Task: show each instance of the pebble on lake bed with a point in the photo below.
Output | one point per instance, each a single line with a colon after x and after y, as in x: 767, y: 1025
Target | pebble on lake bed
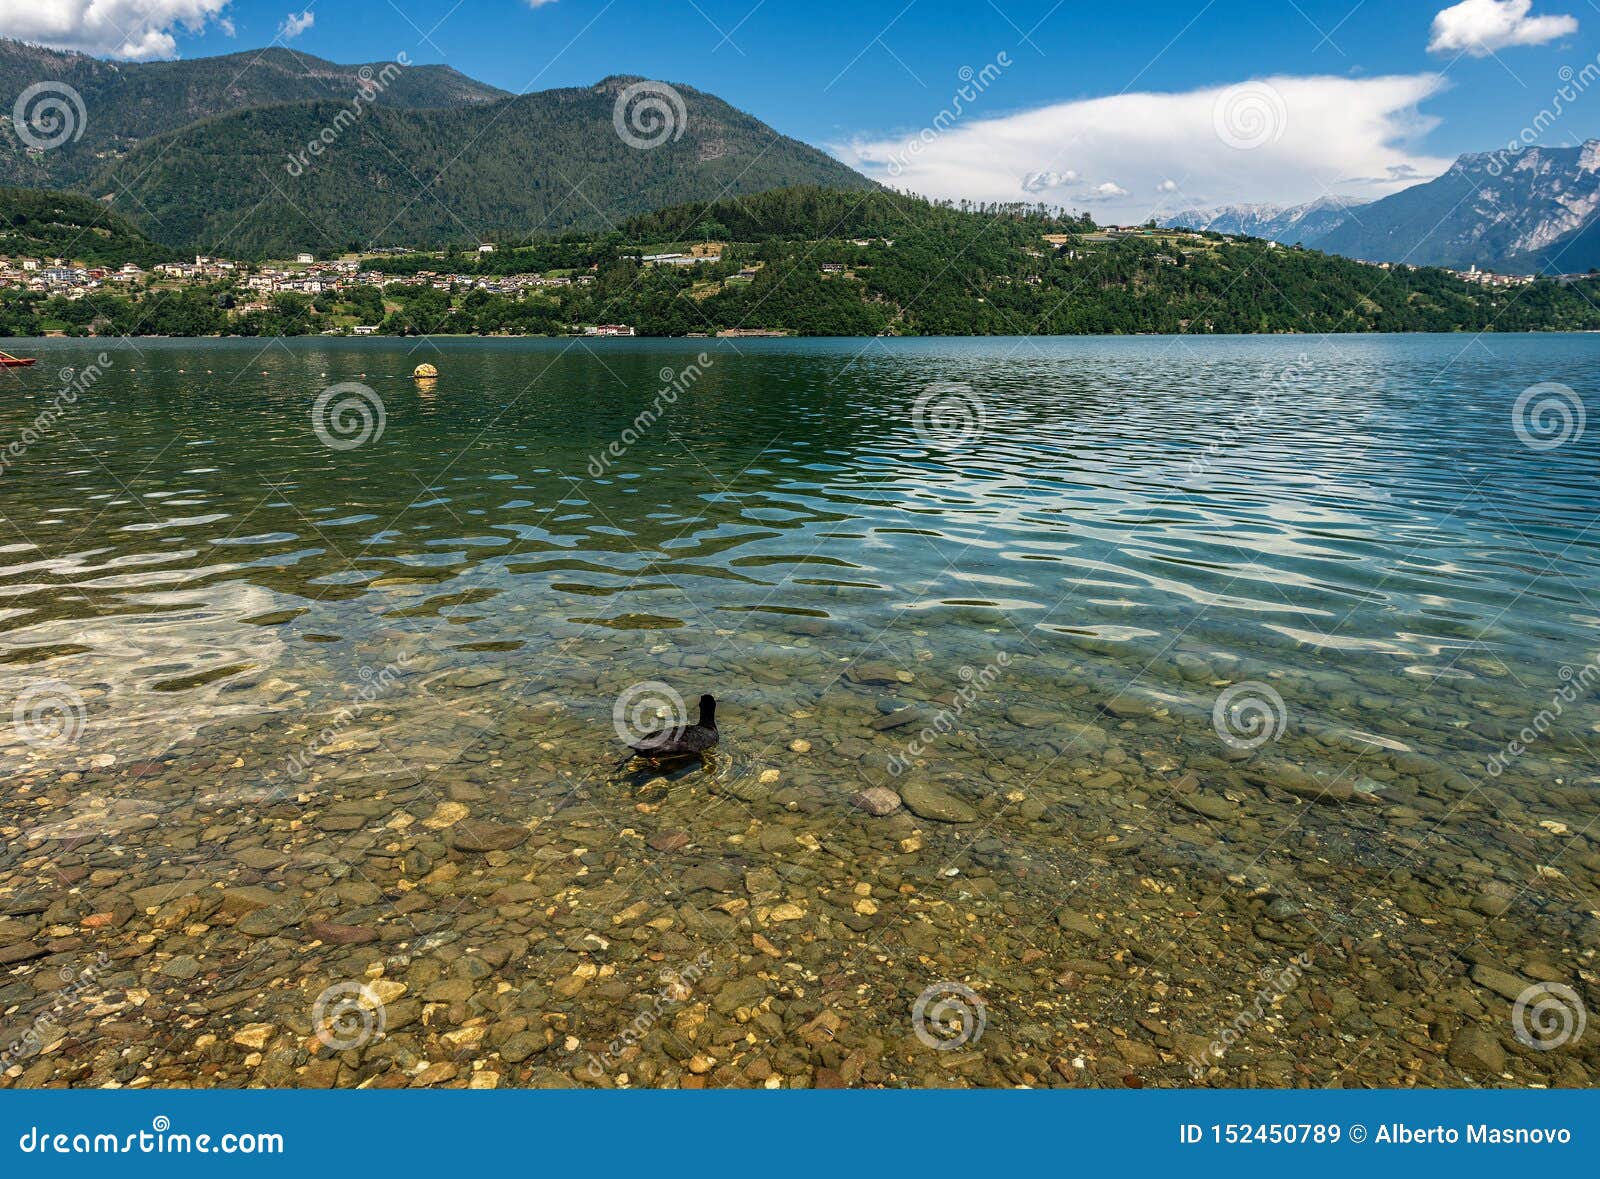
x: 876, y: 800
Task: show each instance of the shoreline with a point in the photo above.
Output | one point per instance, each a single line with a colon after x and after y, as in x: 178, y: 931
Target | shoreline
x: 701, y: 340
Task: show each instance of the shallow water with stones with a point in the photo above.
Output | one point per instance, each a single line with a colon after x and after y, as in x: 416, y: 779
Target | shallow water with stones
x: 290, y: 717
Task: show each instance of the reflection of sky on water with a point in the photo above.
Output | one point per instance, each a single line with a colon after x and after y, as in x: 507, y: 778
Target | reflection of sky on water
x: 1361, y: 500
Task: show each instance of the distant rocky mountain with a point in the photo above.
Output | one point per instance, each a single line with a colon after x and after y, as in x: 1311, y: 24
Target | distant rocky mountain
x: 1577, y: 253
x: 1288, y: 224
x: 1531, y: 211
x: 125, y: 103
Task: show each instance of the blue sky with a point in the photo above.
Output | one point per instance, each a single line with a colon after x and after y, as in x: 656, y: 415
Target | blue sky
x: 1116, y: 104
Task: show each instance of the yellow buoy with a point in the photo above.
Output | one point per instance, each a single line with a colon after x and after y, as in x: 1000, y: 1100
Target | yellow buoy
x: 424, y: 370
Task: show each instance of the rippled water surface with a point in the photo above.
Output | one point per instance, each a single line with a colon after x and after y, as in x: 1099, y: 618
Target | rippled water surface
x: 1241, y: 692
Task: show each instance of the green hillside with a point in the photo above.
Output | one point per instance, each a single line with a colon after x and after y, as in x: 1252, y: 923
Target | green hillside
x: 812, y: 261
x: 125, y: 103
x: 971, y: 271
x: 65, y: 225
x: 542, y: 162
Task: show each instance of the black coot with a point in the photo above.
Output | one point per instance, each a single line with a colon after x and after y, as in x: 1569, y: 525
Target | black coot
x: 684, y: 740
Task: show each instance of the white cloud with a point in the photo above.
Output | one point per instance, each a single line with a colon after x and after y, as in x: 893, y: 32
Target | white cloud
x: 539, y: 3
x: 1317, y: 135
x: 1479, y: 27
x: 135, y: 30
x: 296, y: 23
x: 1167, y: 186
x: 1043, y: 181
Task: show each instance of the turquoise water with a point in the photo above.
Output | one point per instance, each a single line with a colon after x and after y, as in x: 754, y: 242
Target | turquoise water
x: 1008, y: 579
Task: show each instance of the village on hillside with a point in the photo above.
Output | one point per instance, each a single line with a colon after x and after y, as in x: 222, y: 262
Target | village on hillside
x: 400, y: 291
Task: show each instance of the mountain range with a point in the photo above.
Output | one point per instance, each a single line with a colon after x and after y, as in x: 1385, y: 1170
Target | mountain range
x: 124, y: 104
x: 1521, y: 213
x: 1529, y: 212
x: 1288, y: 224
x: 268, y: 153
x: 271, y: 153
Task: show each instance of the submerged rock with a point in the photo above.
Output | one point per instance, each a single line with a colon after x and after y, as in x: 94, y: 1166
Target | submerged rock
x: 1476, y: 1051
x: 1318, y: 787
x: 341, y: 935
x: 876, y: 800
x: 476, y: 836
x: 928, y: 801
x: 1212, y: 806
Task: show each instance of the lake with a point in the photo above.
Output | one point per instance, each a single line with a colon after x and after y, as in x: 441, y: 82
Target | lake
x: 1235, y: 699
